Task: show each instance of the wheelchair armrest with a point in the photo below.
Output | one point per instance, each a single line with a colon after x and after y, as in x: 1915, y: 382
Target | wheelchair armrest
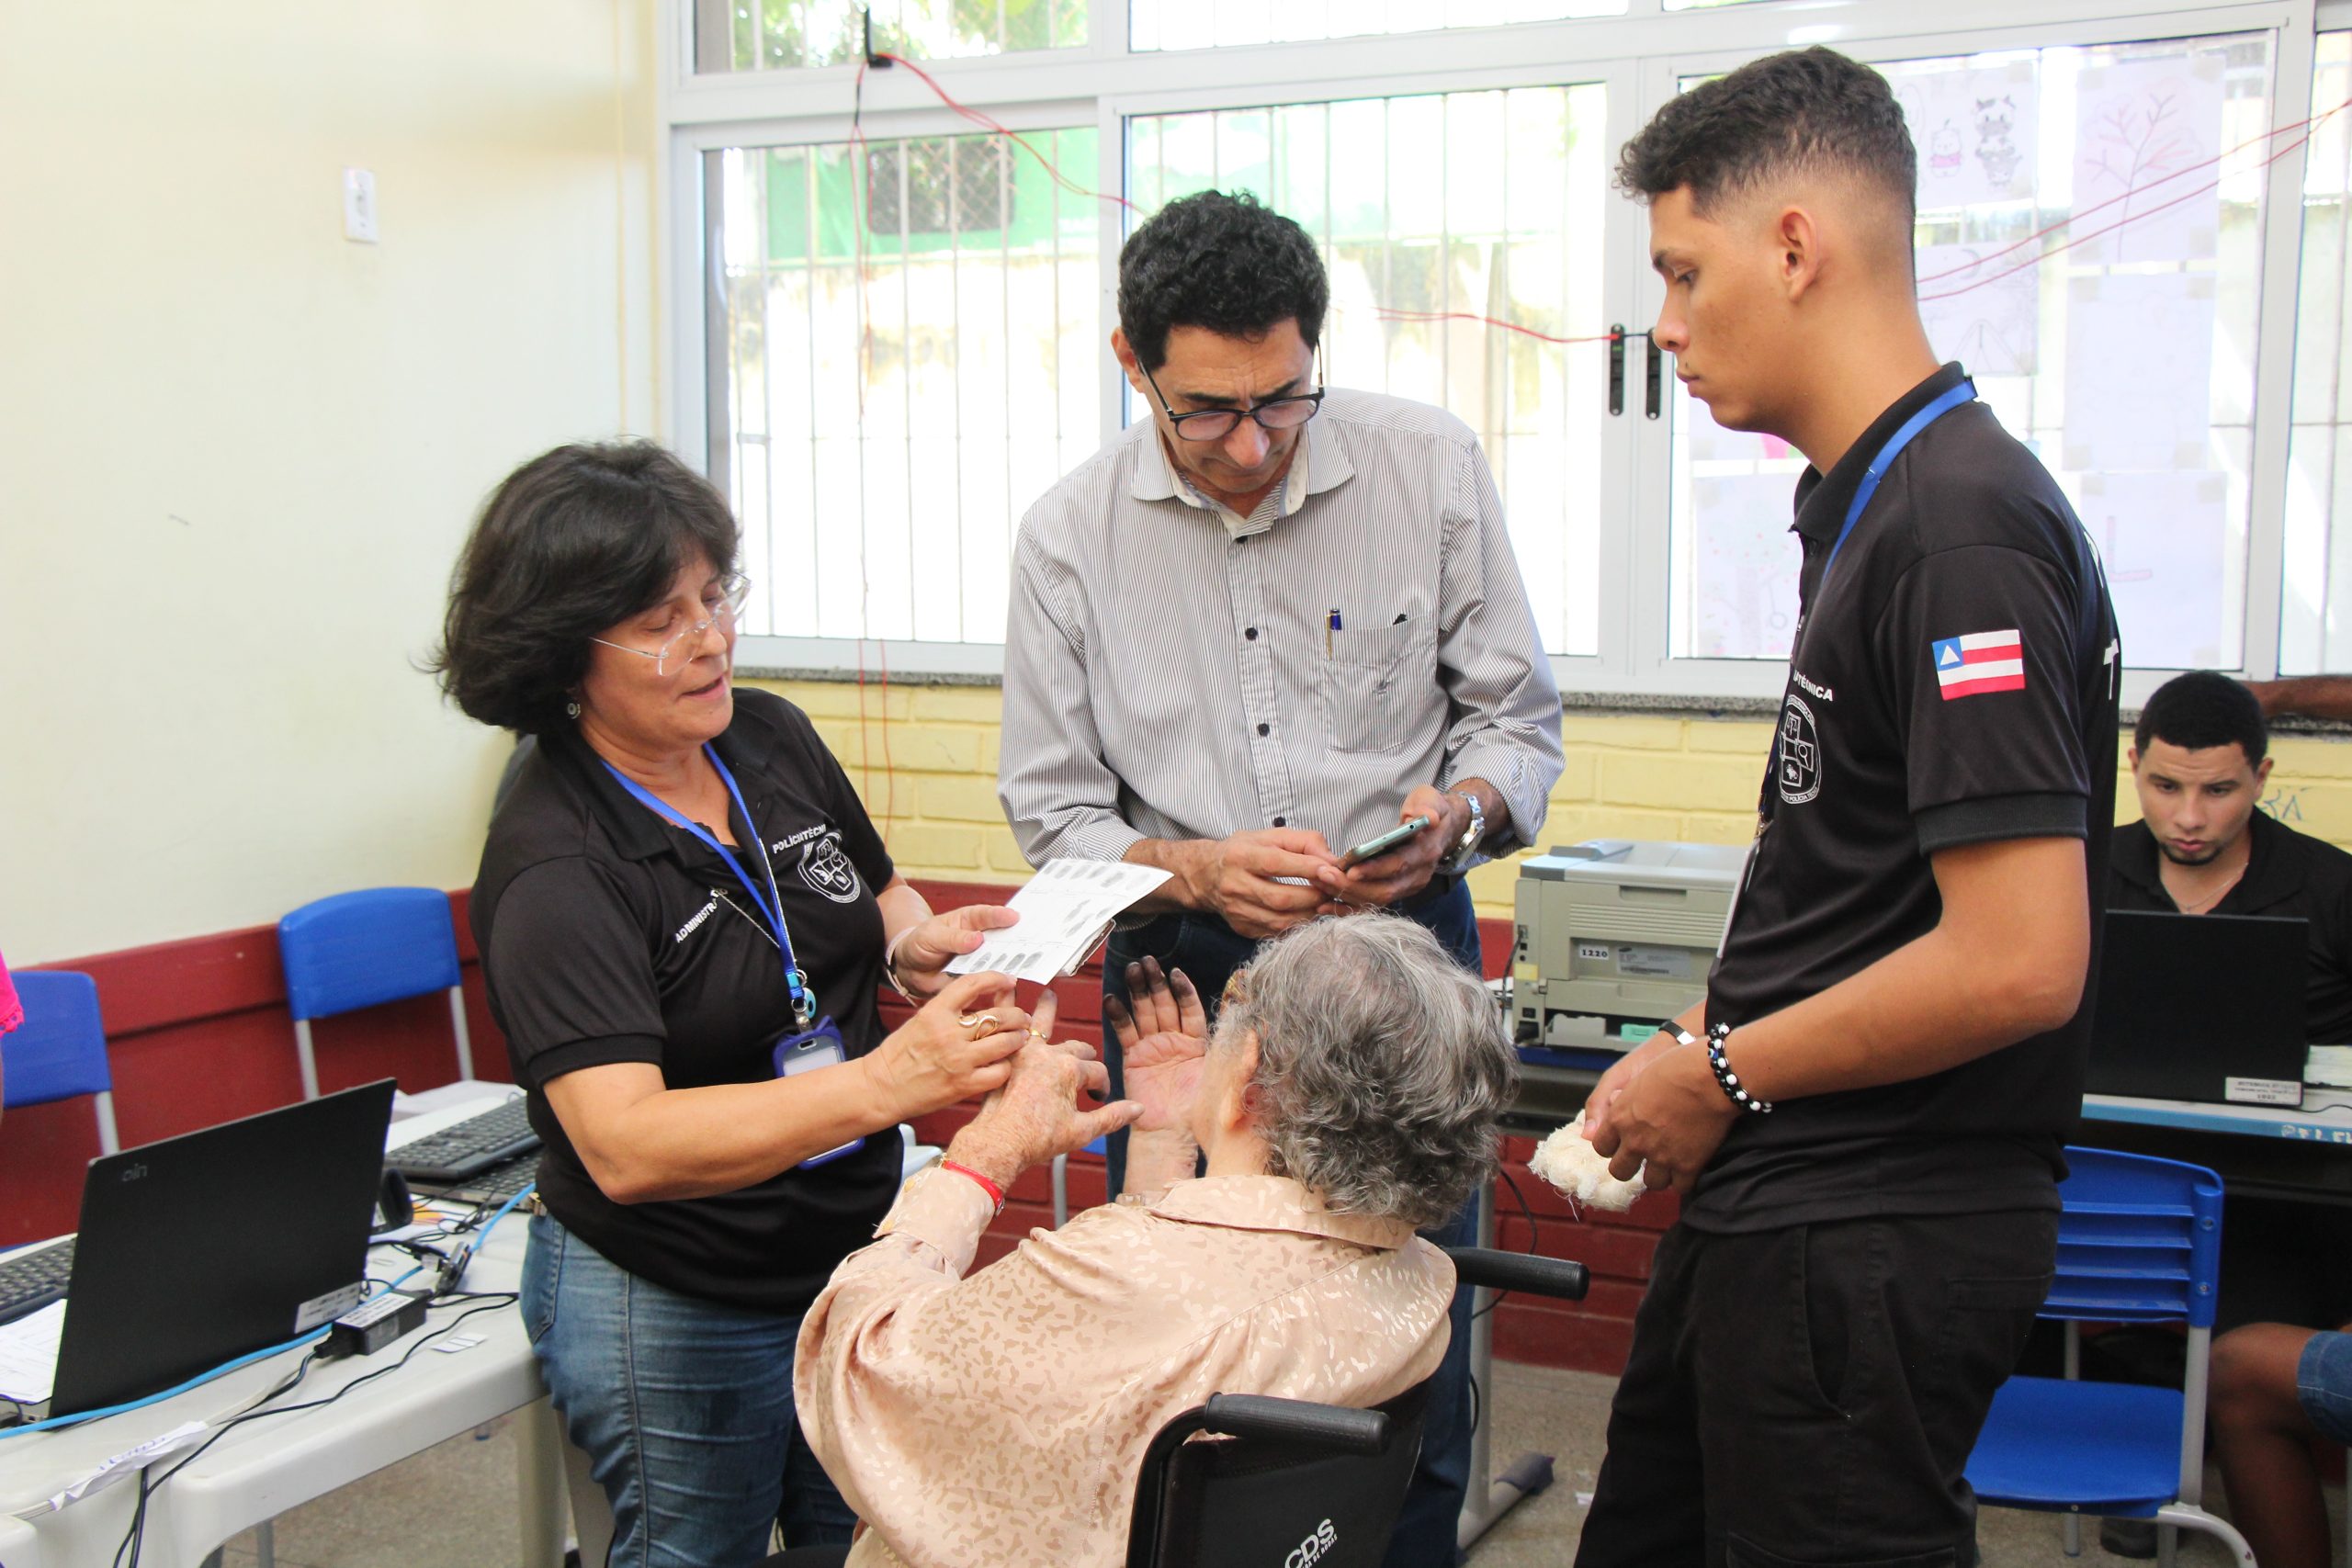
x: 1297, y: 1421
x: 1517, y: 1271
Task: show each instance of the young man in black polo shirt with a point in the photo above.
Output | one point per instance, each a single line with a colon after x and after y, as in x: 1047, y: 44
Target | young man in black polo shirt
x: 2202, y: 847
x: 2199, y: 762
x: 1856, y: 1268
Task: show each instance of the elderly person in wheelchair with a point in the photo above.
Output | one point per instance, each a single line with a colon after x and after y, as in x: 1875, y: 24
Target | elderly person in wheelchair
x: 1348, y: 1096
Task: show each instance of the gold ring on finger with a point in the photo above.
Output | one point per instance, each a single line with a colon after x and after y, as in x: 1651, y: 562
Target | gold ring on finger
x: 979, y: 1025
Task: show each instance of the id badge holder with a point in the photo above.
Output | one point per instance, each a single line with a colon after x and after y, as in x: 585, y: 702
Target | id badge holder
x: 805, y: 1052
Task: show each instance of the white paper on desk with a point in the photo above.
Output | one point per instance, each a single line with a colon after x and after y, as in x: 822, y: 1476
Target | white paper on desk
x: 2329, y: 1065
x: 28, y: 1355
x: 1064, y: 910
x: 121, y: 1467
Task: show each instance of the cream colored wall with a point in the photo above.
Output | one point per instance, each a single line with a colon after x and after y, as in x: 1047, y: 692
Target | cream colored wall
x: 929, y: 776
x: 237, y: 451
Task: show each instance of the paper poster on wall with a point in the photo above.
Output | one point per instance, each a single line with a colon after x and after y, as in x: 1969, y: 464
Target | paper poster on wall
x: 1745, y: 560
x: 2164, y: 538
x: 2139, y: 371
x: 1981, y: 306
x: 1974, y: 131
x: 2145, y: 134
x: 1711, y: 442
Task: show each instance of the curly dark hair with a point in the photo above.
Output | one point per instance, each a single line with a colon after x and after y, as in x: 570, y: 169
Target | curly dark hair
x: 1227, y: 262
x: 1800, y: 111
x: 2201, y: 709
x: 571, y: 542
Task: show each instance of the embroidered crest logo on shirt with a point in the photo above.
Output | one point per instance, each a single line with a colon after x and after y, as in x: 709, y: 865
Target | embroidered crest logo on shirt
x: 1796, y: 760
x: 1981, y: 661
x: 826, y: 870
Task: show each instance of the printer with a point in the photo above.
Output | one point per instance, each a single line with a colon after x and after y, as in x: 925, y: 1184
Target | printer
x: 1615, y: 932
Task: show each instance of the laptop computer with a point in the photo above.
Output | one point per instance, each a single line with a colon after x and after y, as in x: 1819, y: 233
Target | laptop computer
x: 2205, y: 1008
x: 202, y: 1248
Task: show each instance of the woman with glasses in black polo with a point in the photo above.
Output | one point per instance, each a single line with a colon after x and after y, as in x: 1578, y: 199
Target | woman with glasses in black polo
x: 684, y: 913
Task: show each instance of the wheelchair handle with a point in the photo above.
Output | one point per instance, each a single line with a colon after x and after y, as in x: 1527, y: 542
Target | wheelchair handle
x: 1499, y: 1271
x: 1296, y: 1420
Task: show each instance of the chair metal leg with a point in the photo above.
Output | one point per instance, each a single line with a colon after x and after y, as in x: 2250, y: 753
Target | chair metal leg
x: 1488, y: 1497
x: 306, y: 1058
x: 465, y: 1041
x: 109, y: 1141
x: 1061, y: 1190
x: 2173, y: 1517
x: 2072, y: 1535
x: 265, y: 1544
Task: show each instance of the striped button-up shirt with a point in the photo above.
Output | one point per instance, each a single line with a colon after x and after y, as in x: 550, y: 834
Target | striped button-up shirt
x: 1173, y: 670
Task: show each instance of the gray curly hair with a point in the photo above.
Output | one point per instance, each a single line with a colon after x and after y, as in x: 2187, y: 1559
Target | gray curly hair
x: 1382, y: 1063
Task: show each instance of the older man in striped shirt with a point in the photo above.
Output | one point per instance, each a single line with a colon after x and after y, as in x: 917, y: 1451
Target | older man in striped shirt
x: 1268, y: 624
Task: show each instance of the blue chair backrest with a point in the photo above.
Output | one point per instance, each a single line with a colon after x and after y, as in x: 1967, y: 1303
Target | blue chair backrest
x: 2140, y: 1240
x: 356, y: 950
x: 60, y: 1050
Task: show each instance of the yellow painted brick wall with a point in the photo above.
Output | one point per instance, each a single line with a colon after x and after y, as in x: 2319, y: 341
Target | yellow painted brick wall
x: 924, y: 759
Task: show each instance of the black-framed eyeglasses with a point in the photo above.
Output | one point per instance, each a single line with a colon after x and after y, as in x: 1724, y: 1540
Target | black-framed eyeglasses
x: 1216, y: 424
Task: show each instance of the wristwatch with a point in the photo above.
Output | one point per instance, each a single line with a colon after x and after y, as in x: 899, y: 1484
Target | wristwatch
x: 1458, y: 860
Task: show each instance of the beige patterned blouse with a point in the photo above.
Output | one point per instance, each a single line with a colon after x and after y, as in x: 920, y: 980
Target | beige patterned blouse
x: 1001, y: 1419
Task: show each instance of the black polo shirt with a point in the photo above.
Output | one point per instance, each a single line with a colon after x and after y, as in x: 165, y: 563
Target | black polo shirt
x: 1910, y: 725
x: 609, y: 935
x: 2287, y: 875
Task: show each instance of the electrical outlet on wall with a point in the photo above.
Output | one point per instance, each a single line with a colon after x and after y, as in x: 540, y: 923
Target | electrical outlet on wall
x: 359, y: 205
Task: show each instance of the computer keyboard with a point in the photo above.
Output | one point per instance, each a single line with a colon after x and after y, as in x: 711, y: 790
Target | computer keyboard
x: 494, y: 1186
x: 31, y: 1280
x: 468, y: 1148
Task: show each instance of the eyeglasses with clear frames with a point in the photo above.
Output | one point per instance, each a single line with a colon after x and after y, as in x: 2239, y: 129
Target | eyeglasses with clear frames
x: 734, y: 591
x: 1216, y: 424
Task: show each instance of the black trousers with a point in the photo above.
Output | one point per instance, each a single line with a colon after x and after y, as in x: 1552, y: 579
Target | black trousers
x: 1810, y: 1395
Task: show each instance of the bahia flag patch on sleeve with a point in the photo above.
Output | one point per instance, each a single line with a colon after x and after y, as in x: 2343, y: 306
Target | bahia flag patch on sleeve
x: 1981, y: 661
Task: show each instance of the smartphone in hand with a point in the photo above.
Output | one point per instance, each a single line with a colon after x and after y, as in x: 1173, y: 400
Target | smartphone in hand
x: 1373, y: 849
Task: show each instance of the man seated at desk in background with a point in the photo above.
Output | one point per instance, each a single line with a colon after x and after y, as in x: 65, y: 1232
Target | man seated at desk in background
x: 2204, y: 846
x: 2200, y: 761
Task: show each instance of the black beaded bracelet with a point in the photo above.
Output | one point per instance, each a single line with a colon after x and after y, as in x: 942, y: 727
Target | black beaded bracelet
x: 1716, y: 1035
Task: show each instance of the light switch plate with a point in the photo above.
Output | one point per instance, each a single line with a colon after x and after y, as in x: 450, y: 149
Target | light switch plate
x: 359, y: 205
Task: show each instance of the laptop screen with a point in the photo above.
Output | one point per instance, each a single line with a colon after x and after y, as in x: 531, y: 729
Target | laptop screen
x: 202, y: 1248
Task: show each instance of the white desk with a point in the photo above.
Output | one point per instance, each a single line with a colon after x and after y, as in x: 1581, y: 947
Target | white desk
x: 264, y: 1467
x: 2331, y: 1123
x: 2270, y: 1152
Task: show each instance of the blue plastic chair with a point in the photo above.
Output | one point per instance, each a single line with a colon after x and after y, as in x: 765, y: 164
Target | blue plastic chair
x: 359, y: 950
x: 61, y: 1049
x: 2140, y: 1241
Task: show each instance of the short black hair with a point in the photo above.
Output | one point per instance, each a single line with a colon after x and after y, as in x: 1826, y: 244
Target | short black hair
x: 1227, y: 262
x: 2200, y: 709
x: 571, y: 543
x: 1801, y: 110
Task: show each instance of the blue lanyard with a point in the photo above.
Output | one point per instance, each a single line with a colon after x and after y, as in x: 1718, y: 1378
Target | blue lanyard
x: 1963, y: 393
x: 1950, y: 399
x: 771, y: 908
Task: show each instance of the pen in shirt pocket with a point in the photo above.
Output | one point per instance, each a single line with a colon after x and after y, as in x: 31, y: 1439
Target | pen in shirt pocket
x: 1331, y: 625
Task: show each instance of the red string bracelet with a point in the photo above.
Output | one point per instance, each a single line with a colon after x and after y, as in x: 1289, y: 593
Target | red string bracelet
x: 996, y: 1193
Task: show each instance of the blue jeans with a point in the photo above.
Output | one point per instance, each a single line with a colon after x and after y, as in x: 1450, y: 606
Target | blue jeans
x: 2324, y: 1384
x: 1208, y: 950
x: 684, y: 1409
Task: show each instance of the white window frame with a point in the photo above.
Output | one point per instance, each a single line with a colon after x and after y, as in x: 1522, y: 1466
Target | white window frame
x: 1639, y: 57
